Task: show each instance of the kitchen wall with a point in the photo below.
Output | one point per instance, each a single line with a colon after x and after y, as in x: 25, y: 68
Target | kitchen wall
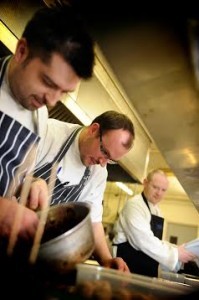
x: 184, y: 215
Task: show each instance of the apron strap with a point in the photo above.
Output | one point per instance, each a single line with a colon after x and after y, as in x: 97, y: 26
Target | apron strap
x: 156, y: 223
x: 146, y: 202
x: 66, y: 146
x: 3, y: 65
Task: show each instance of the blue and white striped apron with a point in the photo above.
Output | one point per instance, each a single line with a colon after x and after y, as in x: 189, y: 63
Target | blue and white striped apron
x: 17, y: 147
x: 63, y: 192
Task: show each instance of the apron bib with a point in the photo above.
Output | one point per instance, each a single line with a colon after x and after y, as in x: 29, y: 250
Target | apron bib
x: 137, y: 261
x: 17, y: 149
x: 62, y: 192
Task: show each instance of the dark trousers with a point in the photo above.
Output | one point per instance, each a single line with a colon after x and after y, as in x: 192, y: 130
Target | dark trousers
x: 137, y: 261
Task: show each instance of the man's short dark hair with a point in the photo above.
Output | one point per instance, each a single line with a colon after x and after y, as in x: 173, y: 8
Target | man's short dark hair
x: 61, y: 30
x: 111, y: 120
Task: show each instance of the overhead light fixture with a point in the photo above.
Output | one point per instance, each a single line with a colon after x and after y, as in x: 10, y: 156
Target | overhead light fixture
x: 125, y: 188
x: 7, y: 37
x: 70, y: 103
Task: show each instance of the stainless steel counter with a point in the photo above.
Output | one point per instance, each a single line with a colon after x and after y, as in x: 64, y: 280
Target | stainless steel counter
x: 187, y: 279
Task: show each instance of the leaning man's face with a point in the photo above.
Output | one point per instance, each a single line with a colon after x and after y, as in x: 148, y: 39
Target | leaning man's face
x: 35, y: 83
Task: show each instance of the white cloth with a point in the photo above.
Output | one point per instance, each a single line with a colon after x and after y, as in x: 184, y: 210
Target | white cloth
x: 133, y: 225
x: 71, y: 165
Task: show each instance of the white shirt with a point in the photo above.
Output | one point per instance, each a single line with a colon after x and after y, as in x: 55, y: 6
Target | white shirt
x: 71, y: 166
x: 133, y: 225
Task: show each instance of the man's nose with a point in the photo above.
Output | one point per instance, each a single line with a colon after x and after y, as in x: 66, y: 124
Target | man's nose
x: 160, y: 193
x: 53, y: 97
x: 102, y: 161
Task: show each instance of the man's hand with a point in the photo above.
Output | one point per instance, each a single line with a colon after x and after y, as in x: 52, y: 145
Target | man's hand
x: 38, y: 196
x: 28, y: 219
x: 116, y: 263
x: 184, y: 255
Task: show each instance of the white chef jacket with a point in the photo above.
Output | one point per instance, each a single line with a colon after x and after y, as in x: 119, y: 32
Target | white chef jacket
x: 34, y: 125
x: 71, y: 167
x: 133, y: 225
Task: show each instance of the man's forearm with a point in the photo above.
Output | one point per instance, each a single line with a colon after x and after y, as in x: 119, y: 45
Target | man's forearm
x: 101, y: 252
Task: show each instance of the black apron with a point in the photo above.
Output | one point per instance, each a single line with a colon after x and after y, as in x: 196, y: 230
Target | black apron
x: 63, y: 192
x: 16, y: 145
x: 137, y: 261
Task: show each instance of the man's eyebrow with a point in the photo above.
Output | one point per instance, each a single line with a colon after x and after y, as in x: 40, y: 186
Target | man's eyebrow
x: 49, y: 80
x: 54, y: 85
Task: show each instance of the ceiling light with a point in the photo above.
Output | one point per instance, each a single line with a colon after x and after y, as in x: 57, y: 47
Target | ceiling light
x: 125, y: 188
x: 76, y: 110
x: 7, y: 37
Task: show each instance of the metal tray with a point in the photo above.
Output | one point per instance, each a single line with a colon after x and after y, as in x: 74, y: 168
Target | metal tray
x: 133, y: 282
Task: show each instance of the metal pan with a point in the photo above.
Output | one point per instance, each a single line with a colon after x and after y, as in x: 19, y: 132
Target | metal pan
x: 68, y: 237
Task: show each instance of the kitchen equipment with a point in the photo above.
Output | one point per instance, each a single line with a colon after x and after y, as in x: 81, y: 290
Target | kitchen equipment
x: 181, y: 278
x: 191, y: 280
x: 68, y: 237
x: 132, y: 282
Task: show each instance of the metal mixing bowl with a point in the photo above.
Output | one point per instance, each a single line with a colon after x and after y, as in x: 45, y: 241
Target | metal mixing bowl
x: 68, y: 237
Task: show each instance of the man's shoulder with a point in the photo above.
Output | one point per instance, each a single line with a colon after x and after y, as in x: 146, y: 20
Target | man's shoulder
x: 135, y: 200
x: 61, y: 124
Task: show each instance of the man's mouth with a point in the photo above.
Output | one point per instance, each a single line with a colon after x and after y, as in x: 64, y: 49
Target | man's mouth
x: 37, y: 102
x: 93, y: 161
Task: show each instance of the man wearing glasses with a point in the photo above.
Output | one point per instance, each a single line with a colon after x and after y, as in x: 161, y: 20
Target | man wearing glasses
x: 81, y: 155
